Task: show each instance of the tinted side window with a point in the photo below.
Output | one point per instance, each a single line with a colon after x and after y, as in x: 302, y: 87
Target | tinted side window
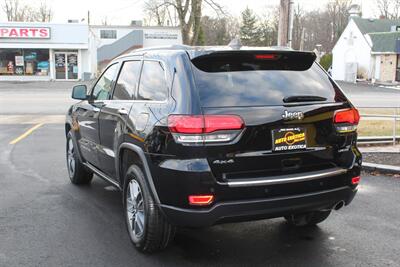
x: 153, y: 85
x: 127, y: 80
x: 103, y: 87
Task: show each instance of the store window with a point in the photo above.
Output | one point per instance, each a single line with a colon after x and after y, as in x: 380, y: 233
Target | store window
x: 108, y: 34
x: 24, y: 62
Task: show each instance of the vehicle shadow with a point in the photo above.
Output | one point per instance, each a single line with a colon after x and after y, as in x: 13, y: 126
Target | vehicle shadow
x: 259, y: 243
x: 266, y: 242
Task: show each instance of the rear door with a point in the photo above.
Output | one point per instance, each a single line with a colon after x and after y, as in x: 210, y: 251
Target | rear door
x: 115, y: 112
x: 151, y: 98
x: 88, y: 115
x: 287, y: 103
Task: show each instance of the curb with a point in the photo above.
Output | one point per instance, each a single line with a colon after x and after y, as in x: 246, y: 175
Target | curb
x: 388, y: 169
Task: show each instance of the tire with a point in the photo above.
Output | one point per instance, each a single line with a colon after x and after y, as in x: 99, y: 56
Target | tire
x: 307, y: 219
x: 78, y: 173
x: 148, y: 229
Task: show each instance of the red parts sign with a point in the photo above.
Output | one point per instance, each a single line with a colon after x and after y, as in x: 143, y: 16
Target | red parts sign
x: 24, y: 32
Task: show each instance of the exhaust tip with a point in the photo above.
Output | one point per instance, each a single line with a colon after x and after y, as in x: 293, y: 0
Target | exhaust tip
x: 339, y: 205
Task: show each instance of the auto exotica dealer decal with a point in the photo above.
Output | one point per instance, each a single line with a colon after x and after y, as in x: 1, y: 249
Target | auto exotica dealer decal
x: 291, y: 140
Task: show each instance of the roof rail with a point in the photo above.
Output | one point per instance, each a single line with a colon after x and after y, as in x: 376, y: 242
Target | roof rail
x: 166, y: 47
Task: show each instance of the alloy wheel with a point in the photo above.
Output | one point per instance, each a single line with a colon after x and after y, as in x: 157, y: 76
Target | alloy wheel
x: 135, y: 209
x: 70, y: 157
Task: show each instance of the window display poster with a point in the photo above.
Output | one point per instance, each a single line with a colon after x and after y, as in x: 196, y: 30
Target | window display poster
x: 31, y: 56
x: 19, y: 61
x: 43, y: 65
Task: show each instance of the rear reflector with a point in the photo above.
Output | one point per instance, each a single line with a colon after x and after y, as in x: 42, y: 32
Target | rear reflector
x: 355, y: 180
x: 201, y: 200
x: 199, y: 129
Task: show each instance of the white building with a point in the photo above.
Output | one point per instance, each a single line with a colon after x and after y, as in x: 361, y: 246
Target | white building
x: 44, y: 51
x: 71, y: 51
x: 113, y: 41
x: 367, y: 49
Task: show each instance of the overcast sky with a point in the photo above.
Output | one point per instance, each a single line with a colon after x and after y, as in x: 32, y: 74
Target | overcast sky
x: 121, y: 12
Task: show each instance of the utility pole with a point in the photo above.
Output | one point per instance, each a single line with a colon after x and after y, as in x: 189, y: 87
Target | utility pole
x: 285, y: 23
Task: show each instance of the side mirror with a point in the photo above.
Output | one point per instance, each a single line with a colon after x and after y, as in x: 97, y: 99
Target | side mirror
x: 79, y: 92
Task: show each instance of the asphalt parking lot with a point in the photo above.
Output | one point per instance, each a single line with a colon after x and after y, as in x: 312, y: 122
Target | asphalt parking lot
x: 47, y: 221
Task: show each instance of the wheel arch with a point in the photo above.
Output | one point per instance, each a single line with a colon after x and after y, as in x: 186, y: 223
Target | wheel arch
x: 129, y: 154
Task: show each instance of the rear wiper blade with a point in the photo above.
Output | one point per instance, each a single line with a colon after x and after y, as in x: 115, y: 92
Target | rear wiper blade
x: 303, y: 98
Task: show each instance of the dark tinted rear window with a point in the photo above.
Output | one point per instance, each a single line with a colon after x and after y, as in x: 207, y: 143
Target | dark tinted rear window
x: 258, y: 82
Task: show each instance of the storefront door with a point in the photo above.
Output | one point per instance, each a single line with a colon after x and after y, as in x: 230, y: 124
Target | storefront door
x: 66, y: 65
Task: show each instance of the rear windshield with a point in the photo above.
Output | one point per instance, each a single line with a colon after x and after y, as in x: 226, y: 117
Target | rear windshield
x: 230, y: 82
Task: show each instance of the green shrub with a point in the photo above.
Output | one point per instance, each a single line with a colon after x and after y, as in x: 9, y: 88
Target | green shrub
x: 326, y: 61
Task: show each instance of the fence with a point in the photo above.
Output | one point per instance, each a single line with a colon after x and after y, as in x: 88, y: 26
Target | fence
x: 379, y: 125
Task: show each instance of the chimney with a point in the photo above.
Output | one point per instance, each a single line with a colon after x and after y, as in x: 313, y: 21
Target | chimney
x: 355, y: 11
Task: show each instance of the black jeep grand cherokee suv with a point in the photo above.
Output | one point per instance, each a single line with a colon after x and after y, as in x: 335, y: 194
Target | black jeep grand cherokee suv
x: 201, y: 136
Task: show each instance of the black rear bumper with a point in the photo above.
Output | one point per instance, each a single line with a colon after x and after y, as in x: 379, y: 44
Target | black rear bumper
x: 234, y: 211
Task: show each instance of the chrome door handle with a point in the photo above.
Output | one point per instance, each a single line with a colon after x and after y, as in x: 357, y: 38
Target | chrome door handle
x: 123, y: 111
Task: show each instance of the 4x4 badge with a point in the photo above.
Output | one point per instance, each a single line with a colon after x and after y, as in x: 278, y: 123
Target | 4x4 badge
x: 221, y: 161
x: 293, y: 115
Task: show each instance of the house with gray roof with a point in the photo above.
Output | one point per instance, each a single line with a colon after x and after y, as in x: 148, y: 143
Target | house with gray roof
x: 368, y: 49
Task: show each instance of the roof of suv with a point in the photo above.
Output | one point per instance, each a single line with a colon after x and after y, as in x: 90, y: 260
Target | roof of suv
x: 195, y: 51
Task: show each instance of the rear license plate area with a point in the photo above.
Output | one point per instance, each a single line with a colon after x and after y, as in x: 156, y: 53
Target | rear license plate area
x: 289, y: 139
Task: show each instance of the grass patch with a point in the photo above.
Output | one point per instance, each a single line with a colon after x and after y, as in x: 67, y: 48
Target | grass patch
x: 377, y: 128
x: 379, y: 111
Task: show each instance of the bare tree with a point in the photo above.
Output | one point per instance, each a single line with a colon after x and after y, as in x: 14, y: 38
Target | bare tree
x: 104, y: 21
x: 17, y: 10
x: 338, y: 16
x: 389, y: 9
x: 159, y: 13
x: 219, y: 31
x: 45, y: 12
x: 298, y: 26
x: 322, y: 27
x: 12, y: 9
x: 188, y: 14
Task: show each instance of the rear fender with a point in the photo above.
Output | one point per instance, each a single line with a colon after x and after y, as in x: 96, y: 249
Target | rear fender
x: 139, y: 152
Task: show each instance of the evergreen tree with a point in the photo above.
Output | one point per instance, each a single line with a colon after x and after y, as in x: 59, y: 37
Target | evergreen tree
x: 249, y: 32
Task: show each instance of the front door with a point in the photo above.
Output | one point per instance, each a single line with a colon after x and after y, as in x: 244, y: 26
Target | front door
x: 88, y: 112
x: 114, y: 114
x: 66, y: 65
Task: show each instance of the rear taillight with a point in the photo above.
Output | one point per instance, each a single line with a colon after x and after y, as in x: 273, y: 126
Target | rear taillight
x: 346, y: 120
x: 200, y: 129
